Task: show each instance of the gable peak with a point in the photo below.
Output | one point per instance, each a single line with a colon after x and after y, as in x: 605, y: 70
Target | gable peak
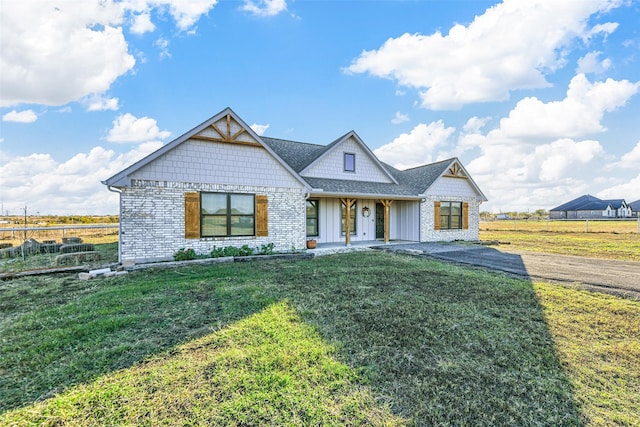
x: 455, y: 171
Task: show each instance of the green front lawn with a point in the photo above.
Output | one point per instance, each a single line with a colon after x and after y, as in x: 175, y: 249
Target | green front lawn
x: 361, y: 338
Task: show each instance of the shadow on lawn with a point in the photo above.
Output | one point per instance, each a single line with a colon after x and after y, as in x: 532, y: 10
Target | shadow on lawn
x: 438, y: 343
x: 445, y: 345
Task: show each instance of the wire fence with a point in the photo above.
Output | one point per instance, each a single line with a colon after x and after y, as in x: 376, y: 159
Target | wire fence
x: 630, y: 225
x: 95, y: 233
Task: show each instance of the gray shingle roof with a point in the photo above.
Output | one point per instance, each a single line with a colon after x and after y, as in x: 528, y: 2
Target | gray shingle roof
x: 420, y: 178
x: 360, y: 187
x: 411, y: 182
x: 297, y: 154
x: 635, y: 206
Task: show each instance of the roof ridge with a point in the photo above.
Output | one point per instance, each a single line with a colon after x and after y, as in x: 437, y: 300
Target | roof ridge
x: 290, y: 140
x: 428, y: 164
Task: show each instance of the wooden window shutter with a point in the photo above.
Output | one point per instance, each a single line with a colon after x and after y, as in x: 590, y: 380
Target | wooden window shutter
x: 191, y: 215
x: 465, y: 215
x: 436, y: 216
x: 262, y: 215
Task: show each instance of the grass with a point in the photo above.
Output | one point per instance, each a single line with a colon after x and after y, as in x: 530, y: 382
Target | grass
x: 565, y: 226
x: 352, y: 339
x: 596, y: 245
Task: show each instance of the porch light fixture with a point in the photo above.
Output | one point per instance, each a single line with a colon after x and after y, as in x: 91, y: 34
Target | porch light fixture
x: 365, y: 212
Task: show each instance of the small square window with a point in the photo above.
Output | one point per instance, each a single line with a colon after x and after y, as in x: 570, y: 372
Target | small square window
x: 349, y: 162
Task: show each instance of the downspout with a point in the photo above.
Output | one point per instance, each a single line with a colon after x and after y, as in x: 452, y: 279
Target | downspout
x: 115, y: 190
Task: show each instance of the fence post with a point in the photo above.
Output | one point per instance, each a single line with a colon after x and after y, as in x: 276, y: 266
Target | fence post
x: 587, y: 225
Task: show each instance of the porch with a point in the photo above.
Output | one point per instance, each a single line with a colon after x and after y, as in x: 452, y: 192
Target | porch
x: 338, y: 247
x: 338, y: 222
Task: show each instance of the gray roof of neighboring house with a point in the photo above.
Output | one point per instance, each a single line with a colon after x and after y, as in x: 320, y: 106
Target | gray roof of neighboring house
x: 589, y: 203
x: 635, y: 206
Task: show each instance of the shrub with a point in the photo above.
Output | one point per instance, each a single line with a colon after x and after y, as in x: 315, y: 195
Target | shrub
x: 231, y: 251
x: 184, y: 254
x: 245, y: 250
x: 267, y: 249
x: 217, y: 252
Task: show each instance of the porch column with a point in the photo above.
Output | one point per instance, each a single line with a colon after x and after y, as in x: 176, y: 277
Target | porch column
x: 386, y: 203
x: 347, y: 220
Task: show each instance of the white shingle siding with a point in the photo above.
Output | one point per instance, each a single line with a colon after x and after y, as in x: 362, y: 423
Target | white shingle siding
x: 214, y: 162
x: 445, y: 186
x: 332, y: 165
x: 152, y: 222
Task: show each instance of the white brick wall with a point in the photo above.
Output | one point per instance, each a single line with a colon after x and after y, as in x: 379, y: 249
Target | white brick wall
x: 427, y: 229
x: 449, y: 190
x: 332, y: 165
x: 152, y: 219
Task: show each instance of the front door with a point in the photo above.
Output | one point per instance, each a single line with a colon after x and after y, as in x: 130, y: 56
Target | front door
x: 379, y: 221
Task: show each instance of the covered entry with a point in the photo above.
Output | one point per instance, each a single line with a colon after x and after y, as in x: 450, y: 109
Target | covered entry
x: 353, y: 219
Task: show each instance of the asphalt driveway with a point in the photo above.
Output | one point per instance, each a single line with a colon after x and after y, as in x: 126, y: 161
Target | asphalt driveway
x: 612, y: 276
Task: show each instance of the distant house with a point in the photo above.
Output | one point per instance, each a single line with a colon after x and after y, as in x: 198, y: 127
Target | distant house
x: 221, y: 184
x: 591, y: 207
x: 503, y: 216
x: 635, y: 208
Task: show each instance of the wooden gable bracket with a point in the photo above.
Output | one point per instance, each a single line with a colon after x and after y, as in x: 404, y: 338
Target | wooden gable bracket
x: 226, y: 136
x: 455, y: 171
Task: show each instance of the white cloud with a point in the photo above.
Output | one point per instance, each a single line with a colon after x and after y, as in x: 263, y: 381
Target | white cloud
x: 417, y: 147
x: 24, y: 116
x: 511, y: 46
x: 400, y: 118
x: 70, y: 187
x: 591, y: 64
x: 187, y: 12
x: 580, y: 113
x: 163, y: 46
x: 259, y: 129
x: 630, y: 191
x: 558, y: 160
x: 129, y: 128
x: 101, y: 103
x: 631, y: 159
x: 539, y: 156
x: 264, y: 7
x: 605, y: 29
x: 56, y: 52
x: 142, y: 24
x: 475, y: 124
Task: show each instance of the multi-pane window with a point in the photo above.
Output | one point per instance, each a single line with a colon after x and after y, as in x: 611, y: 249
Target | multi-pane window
x: 312, y: 217
x: 450, y: 215
x: 227, y: 214
x: 349, y: 162
x: 352, y: 219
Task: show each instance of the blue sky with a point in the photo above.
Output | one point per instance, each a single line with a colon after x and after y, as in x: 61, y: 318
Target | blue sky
x: 538, y: 99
